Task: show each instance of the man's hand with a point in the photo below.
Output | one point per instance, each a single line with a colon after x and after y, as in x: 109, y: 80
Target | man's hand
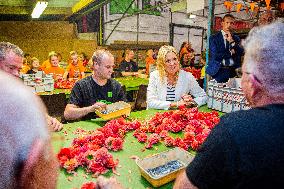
x: 229, y: 37
x: 54, y: 124
x: 98, y: 106
x: 108, y: 183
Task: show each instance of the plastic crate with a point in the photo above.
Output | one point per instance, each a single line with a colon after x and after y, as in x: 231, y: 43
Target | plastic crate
x: 226, y: 97
x: 124, y: 109
x: 160, y: 159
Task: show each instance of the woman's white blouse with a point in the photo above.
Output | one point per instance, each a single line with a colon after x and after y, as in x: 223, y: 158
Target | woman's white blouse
x: 186, y: 84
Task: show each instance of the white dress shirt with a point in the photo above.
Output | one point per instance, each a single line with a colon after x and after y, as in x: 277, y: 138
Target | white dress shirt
x: 231, y: 60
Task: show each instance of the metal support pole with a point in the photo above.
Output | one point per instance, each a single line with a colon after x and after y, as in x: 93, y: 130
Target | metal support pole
x: 211, y: 4
x: 137, y: 34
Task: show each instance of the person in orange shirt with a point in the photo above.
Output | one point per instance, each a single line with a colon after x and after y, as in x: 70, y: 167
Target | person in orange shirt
x: 149, y: 60
x: 26, y: 67
x: 75, y: 69
x: 55, y: 69
x: 185, y: 48
x: 46, y: 64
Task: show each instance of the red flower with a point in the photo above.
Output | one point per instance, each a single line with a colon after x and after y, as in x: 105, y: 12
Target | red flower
x: 89, y: 185
x: 133, y: 125
x: 169, y: 141
x: 142, y: 137
x: 153, y: 139
x: 114, y: 144
x: 97, y: 168
x: 65, y: 153
x: 70, y: 165
x: 189, y: 137
x: 180, y: 143
x: 164, y: 134
x: 194, y: 145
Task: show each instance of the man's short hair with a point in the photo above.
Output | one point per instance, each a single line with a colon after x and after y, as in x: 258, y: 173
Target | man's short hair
x: 127, y: 51
x: 228, y: 16
x: 99, y: 55
x: 6, y: 47
x: 264, y: 55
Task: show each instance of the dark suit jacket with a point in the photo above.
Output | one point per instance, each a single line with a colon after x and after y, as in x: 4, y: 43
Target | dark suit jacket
x: 218, y: 52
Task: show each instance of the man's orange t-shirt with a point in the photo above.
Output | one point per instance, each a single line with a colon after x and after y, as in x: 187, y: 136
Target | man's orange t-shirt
x: 25, y: 69
x: 149, y: 61
x: 45, y: 65
x: 75, y: 71
x: 54, y: 70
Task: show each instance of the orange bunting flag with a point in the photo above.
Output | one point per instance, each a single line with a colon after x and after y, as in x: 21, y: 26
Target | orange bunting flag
x: 229, y: 5
x: 247, y: 9
x: 226, y: 4
x: 252, y: 5
x: 239, y: 6
x: 267, y: 4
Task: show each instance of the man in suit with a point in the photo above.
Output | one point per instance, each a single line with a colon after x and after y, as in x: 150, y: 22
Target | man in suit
x: 225, y: 52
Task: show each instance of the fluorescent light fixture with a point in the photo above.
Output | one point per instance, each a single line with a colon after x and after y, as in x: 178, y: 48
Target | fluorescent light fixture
x: 192, y: 16
x: 39, y: 8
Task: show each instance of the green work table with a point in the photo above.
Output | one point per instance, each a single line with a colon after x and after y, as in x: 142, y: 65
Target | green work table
x: 132, y: 83
x: 129, y: 173
x: 56, y: 91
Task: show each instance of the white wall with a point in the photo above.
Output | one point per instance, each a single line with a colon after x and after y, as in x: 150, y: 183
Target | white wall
x: 156, y: 28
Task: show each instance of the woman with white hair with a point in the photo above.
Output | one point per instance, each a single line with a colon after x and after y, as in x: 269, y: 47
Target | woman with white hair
x: 169, y: 86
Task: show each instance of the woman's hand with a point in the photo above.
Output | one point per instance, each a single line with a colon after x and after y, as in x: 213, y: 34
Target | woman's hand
x: 187, y: 99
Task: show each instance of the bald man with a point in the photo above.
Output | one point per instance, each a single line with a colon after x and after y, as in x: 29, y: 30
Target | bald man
x: 11, y: 61
x: 26, y: 157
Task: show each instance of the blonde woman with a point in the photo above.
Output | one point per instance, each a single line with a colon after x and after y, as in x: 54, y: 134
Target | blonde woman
x: 169, y: 86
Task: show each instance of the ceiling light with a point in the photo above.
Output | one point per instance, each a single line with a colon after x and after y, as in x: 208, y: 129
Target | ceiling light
x: 192, y: 16
x: 39, y: 8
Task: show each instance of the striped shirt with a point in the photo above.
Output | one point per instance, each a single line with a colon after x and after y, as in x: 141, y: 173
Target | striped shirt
x: 171, y: 93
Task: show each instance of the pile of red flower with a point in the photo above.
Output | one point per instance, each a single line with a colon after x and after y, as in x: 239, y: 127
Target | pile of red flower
x: 90, y: 149
x: 195, y: 72
x: 64, y: 84
x: 195, y: 125
x: 89, y: 185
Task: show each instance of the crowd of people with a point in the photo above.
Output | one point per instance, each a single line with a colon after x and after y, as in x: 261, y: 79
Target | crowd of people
x: 232, y: 155
x: 75, y: 67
